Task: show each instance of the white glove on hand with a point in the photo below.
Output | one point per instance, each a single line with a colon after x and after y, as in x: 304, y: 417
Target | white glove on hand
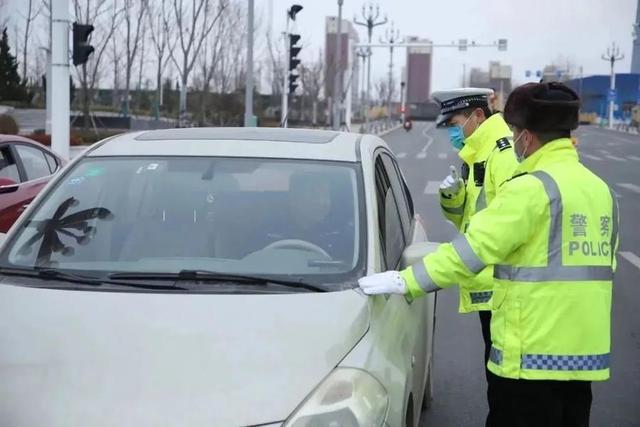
x: 389, y: 282
x: 452, y: 184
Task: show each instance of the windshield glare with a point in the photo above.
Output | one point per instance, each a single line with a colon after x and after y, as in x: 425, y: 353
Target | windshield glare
x: 229, y: 215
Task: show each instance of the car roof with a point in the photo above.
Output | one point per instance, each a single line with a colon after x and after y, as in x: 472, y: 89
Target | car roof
x: 234, y: 142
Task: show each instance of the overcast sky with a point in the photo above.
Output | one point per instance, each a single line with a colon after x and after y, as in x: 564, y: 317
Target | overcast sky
x: 539, y: 31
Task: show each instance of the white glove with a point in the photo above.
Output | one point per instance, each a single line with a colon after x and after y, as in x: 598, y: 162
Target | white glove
x: 452, y: 184
x: 389, y: 282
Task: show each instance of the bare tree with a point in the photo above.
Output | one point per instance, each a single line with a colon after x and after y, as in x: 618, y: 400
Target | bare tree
x: 312, y: 78
x: 33, y: 11
x: 383, y: 92
x: 105, y: 16
x: 163, y: 40
x: 277, y: 67
x: 194, y: 25
x: 115, y: 58
x: 134, y: 22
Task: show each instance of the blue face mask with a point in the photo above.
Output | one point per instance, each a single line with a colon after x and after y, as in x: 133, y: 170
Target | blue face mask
x: 456, y: 135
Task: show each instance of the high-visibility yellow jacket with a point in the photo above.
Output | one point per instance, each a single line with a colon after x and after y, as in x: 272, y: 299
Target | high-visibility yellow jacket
x: 490, y: 160
x: 551, y: 234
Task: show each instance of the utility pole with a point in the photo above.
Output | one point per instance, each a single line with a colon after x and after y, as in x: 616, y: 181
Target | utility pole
x: 59, y: 83
x: 402, y: 102
x: 392, y: 36
x: 371, y: 20
x: 248, y: 96
x: 337, y: 82
x: 612, y: 55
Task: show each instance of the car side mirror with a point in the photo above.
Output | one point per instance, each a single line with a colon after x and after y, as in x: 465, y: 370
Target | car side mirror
x: 7, y: 185
x: 414, y: 253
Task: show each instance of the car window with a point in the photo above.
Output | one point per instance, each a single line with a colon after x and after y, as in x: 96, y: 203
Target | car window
x: 398, y: 191
x: 241, y: 216
x: 389, y: 221
x: 34, y: 162
x: 8, y: 167
x: 52, y: 162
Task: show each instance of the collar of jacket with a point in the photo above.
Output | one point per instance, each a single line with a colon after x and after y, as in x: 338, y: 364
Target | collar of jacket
x: 554, y: 151
x: 483, y: 140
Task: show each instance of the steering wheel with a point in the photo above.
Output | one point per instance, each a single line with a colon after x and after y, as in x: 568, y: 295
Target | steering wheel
x: 297, y: 244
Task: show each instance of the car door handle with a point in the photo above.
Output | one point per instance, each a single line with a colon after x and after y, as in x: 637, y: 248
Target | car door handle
x: 24, y: 207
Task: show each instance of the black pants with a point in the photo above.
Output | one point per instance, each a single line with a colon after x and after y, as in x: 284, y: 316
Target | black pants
x: 485, y: 323
x: 538, y: 403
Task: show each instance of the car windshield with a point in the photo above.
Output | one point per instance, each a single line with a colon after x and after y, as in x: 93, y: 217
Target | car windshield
x: 300, y: 219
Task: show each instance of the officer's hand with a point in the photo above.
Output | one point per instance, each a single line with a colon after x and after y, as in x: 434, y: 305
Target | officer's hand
x: 452, y: 184
x: 389, y: 282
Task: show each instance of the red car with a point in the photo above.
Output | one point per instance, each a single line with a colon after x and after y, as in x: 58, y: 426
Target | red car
x: 25, y: 167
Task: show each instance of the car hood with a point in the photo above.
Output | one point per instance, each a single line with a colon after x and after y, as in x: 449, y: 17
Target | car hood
x: 84, y: 358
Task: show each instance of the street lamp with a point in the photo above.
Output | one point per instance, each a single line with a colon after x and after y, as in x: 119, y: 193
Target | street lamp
x: 371, y: 20
x: 392, y: 37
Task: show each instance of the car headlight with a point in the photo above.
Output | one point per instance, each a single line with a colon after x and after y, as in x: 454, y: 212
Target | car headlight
x: 348, y: 397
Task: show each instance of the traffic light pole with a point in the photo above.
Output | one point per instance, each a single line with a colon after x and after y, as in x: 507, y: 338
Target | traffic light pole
x: 60, y: 77
x: 285, y: 77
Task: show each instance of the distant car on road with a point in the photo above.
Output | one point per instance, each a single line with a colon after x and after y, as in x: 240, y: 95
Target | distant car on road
x: 25, y: 168
x: 208, y: 277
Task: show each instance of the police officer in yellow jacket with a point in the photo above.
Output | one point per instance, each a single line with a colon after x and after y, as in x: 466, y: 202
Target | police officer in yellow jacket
x: 551, y: 234
x: 487, y: 161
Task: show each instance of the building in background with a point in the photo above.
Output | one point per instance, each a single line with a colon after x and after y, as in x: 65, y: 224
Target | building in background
x: 496, y: 77
x: 417, y: 73
x: 594, y: 93
x: 349, y: 64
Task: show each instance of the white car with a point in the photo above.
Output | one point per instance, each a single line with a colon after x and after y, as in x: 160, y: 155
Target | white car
x: 208, y: 277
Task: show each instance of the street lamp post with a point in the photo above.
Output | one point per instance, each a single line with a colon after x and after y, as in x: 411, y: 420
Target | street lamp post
x: 364, y: 54
x: 337, y: 82
x: 613, y: 55
x: 371, y: 20
x: 402, y: 102
x: 248, y: 96
x: 392, y: 37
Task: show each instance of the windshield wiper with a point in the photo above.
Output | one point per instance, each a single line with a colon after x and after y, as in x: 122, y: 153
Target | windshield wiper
x: 54, y: 274
x: 212, y: 276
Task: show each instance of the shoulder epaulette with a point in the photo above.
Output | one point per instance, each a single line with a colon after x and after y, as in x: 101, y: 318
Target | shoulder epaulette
x: 503, y: 144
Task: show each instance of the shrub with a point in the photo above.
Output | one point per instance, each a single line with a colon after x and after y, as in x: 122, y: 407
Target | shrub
x: 8, y: 125
x: 45, y: 139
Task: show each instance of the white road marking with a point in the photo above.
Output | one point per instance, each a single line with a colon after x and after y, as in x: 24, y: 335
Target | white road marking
x: 433, y: 187
x: 616, y: 158
x: 629, y: 186
x: 401, y: 155
x: 423, y: 153
x: 634, y: 158
x: 589, y: 156
x: 616, y: 194
x: 442, y: 155
x: 631, y: 257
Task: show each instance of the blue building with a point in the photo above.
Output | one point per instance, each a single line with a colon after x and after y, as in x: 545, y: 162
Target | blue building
x: 594, y: 91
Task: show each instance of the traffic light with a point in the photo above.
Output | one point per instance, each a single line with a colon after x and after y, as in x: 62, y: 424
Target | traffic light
x: 81, y: 47
x: 294, y: 51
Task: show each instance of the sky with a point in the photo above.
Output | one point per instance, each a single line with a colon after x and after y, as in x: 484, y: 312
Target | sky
x: 539, y: 32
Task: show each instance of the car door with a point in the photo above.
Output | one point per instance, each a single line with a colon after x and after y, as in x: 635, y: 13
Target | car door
x: 408, y: 320
x: 32, y: 167
x: 11, y: 198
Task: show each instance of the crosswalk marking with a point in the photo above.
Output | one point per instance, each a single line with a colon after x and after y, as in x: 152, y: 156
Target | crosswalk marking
x: 629, y: 186
x: 433, y: 187
x: 442, y: 155
x: 401, y: 155
x: 591, y: 157
x: 631, y: 257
